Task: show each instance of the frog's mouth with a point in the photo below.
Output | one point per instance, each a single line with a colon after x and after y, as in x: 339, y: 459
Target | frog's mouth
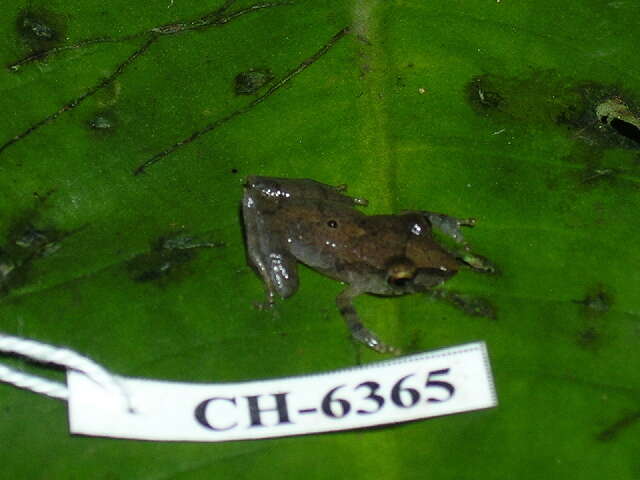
x: 430, y: 277
x: 405, y: 276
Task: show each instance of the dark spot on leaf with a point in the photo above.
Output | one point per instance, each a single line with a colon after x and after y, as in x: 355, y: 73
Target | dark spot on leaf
x: 234, y: 170
x: 589, y: 338
x: 26, y: 242
x: 471, y: 305
x: 415, y: 343
x: 483, y: 95
x: 597, y: 302
x: 603, y: 117
x: 168, y: 258
x: 102, y: 122
x: 599, y: 116
x: 475, y: 306
x: 598, y: 119
x: 364, y: 39
x: 157, y: 264
x: 40, y: 29
x: 249, y: 82
x: 592, y: 175
x: 615, y: 113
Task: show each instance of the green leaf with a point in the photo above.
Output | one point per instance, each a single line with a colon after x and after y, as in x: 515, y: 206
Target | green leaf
x: 522, y: 115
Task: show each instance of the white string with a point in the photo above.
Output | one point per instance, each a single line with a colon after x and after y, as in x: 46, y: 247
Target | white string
x: 43, y: 353
x: 33, y: 383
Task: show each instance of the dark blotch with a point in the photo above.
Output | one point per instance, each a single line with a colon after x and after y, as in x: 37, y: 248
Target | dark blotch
x: 595, y: 305
x: 249, y: 82
x: 595, y: 115
x: 598, y: 302
x: 592, y: 117
x: 41, y: 29
x: 167, y: 258
x: 594, y: 175
x: 102, y: 122
x: 473, y: 306
x: 482, y: 94
x: 589, y: 338
x: 25, y: 243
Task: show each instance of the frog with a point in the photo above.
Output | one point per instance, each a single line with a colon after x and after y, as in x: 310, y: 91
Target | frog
x: 288, y: 221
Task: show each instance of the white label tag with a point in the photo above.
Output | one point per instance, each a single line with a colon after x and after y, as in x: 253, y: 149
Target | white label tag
x: 442, y: 382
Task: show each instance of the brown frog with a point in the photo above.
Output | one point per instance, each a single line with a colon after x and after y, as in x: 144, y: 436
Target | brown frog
x: 300, y: 220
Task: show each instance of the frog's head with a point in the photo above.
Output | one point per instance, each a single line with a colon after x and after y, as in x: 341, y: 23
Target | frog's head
x: 405, y: 276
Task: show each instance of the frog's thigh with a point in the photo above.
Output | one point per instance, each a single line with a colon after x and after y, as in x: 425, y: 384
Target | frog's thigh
x: 282, y: 269
x: 249, y: 216
x: 301, y: 189
x: 322, y: 191
x: 283, y: 188
x: 277, y: 267
x: 253, y: 231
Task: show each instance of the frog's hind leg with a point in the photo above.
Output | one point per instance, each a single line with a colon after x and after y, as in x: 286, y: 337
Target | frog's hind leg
x: 301, y: 189
x: 277, y: 268
x: 357, y: 329
x: 450, y: 226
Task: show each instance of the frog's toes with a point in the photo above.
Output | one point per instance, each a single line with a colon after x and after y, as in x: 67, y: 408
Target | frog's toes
x: 268, y: 304
x: 478, y: 262
x: 371, y: 340
x: 384, y: 348
x: 466, y: 222
x: 342, y: 188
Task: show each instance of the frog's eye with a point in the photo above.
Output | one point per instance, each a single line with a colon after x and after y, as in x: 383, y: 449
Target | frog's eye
x: 401, y: 273
x: 332, y: 224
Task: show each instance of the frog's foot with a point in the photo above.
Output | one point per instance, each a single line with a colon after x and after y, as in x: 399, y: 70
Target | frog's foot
x: 342, y: 188
x: 359, y: 332
x: 269, y: 302
x: 363, y: 335
x: 450, y: 226
x: 477, y: 262
x: 265, y: 305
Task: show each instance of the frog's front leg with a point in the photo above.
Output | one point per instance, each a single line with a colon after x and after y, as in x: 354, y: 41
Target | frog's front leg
x: 450, y: 226
x: 357, y: 329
